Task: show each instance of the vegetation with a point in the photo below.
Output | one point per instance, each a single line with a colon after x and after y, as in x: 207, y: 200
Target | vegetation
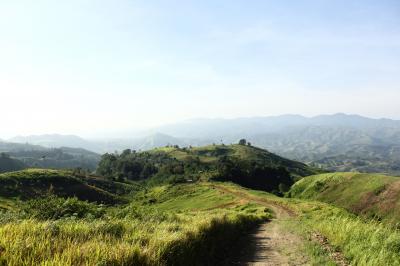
x: 246, y: 165
x: 53, y: 208
x: 163, y: 207
x: 361, y: 241
x: 370, y: 195
x: 33, y: 183
x: 8, y: 164
x: 167, y: 225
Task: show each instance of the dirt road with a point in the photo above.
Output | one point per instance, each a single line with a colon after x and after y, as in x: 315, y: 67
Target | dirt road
x: 270, y: 243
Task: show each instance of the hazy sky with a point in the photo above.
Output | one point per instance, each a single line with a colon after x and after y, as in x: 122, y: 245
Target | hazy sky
x: 84, y: 66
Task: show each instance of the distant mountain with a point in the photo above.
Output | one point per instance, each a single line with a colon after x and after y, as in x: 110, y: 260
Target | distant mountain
x: 55, y: 158
x: 151, y: 141
x: 231, y: 129
x: 337, y: 142
x: 56, y: 141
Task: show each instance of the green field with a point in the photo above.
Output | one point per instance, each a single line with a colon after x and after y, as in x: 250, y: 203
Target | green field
x: 165, y: 225
x: 370, y: 195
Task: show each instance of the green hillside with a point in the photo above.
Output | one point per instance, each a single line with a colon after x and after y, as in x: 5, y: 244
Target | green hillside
x: 243, y: 164
x: 34, y: 183
x: 8, y: 164
x: 371, y: 195
x: 212, y: 153
x: 165, y: 225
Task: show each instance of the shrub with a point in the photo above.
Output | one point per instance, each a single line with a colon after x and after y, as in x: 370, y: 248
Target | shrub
x: 52, y: 207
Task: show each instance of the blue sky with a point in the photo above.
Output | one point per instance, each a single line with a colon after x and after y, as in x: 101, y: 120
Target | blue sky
x: 89, y: 66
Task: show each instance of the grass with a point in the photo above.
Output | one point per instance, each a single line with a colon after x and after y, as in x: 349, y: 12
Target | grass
x: 32, y: 183
x: 371, y: 195
x: 211, y: 154
x: 175, y: 238
x: 362, y: 241
x: 187, y: 198
x: 167, y: 225
x: 191, y: 224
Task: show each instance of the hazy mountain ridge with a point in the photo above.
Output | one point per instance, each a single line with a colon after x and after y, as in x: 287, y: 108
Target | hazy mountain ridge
x: 109, y: 145
x: 57, y: 158
x: 336, y: 142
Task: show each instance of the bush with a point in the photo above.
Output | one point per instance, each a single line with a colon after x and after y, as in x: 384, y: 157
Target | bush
x: 52, y: 208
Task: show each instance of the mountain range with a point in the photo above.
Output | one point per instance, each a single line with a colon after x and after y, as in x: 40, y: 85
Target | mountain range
x: 336, y: 142
x: 16, y: 156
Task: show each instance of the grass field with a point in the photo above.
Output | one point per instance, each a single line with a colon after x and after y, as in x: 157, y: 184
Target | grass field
x: 370, y: 195
x: 167, y: 225
x: 186, y: 224
x: 361, y: 241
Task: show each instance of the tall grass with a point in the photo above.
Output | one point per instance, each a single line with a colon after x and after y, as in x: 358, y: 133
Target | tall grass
x: 188, y: 238
x: 362, y: 242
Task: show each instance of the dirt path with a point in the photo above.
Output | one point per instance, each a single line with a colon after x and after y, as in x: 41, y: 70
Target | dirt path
x: 270, y: 243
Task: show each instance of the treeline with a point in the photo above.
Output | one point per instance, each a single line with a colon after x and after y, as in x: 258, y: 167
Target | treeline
x: 161, y: 167
x: 254, y: 175
x: 132, y: 165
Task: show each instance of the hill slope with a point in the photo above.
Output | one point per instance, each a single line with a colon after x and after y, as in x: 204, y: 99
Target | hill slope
x: 8, y: 164
x: 371, y: 195
x: 213, y: 153
x: 33, y: 183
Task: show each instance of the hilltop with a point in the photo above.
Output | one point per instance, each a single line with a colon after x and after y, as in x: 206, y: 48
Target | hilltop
x: 243, y: 164
x: 370, y: 195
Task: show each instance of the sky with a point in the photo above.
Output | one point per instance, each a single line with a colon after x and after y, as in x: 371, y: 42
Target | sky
x: 91, y: 66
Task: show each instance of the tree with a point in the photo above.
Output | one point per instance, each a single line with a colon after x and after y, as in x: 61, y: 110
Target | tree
x: 126, y: 152
x: 242, y: 142
x: 4, y: 155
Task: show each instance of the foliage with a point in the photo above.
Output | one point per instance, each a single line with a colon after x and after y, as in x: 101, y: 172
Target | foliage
x: 254, y: 175
x: 52, y: 208
x: 8, y: 164
x: 32, y: 183
x: 140, y: 233
x: 246, y: 165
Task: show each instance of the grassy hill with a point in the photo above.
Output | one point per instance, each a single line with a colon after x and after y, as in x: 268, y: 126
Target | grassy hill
x: 164, y: 225
x: 371, y: 195
x: 34, y: 183
x: 243, y: 164
x: 211, y: 153
x: 8, y: 164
